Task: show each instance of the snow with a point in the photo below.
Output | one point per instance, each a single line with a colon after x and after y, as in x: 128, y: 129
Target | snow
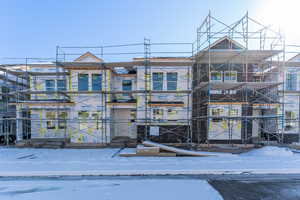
x: 75, y: 162
x: 116, y: 189
x: 271, y: 151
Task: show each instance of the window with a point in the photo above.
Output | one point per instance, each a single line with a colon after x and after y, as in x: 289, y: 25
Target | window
x: 216, y: 76
x: 291, y: 81
x: 83, y: 82
x: 126, y: 86
x: 158, y: 113
x: 62, y: 117
x: 233, y: 112
x: 157, y: 78
x: 217, y: 112
x: 172, y: 81
x: 50, y: 85
x: 172, y: 114
x: 96, y: 117
x: 96, y: 82
x: 83, y: 119
x: 61, y: 85
x: 50, y: 117
x: 290, y: 121
x: 230, y: 76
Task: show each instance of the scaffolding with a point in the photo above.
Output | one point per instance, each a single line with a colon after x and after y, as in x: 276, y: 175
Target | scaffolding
x: 235, y: 82
x: 132, y: 58
x: 229, y: 93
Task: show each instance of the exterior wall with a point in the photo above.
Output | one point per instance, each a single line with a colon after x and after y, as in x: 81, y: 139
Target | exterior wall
x: 90, y: 130
x: 291, y: 105
x: 119, y: 115
x: 223, y: 129
x: 180, y: 114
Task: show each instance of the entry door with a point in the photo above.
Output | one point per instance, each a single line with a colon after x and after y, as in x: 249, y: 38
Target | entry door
x: 121, y: 122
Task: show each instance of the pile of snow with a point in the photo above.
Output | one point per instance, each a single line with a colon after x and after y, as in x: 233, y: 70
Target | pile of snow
x: 271, y: 151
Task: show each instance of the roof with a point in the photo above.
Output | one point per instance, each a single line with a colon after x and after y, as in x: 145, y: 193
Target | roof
x: 88, y: 57
x: 225, y: 43
x: 235, y: 56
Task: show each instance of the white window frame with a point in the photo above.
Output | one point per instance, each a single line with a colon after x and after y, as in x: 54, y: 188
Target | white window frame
x: 216, y: 72
x: 235, y: 72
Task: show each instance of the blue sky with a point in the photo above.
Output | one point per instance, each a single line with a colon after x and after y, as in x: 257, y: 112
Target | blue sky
x: 33, y: 28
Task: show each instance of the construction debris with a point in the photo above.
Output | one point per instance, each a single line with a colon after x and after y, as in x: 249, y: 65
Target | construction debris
x: 155, y: 149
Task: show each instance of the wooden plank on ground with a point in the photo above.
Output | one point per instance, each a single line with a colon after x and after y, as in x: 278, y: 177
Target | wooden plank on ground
x: 147, y: 155
x: 178, y: 151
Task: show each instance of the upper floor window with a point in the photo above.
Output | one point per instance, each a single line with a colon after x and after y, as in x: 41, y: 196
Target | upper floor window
x: 126, y: 86
x: 216, y: 76
x: 96, y: 82
x: 83, y: 82
x: 230, y: 76
x: 61, y: 85
x: 157, y: 79
x: 291, y: 81
x: 50, y: 85
x: 172, y: 81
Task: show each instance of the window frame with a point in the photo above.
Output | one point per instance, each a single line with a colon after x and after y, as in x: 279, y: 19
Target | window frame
x: 157, y: 81
x: 158, y: 113
x: 95, y: 85
x: 50, y: 120
x: 80, y: 86
x: 230, y: 73
x: 221, y: 75
x: 83, y: 121
x: 169, y: 82
x: 129, y: 89
x: 62, y: 121
x: 64, y: 88
x: 47, y: 87
x: 290, y: 84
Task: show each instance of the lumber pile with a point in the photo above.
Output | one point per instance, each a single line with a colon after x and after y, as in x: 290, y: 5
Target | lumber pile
x: 155, y: 149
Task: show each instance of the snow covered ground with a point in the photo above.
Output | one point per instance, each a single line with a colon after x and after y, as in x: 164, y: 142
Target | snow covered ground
x: 148, y: 189
x: 47, y: 162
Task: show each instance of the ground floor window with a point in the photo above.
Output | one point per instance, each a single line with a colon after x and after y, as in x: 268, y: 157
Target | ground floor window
x: 50, y: 117
x: 62, y: 117
x: 96, y: 119
x: 217, y: 113
x: 290, y: 120
x: 83, y: 119
x: 158, y: 113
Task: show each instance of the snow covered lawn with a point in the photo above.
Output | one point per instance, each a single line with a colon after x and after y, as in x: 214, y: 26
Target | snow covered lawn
x: 45, y: 162
x: 149, y: 189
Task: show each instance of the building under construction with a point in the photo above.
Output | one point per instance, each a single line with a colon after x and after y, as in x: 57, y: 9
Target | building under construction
x: 222, y: 88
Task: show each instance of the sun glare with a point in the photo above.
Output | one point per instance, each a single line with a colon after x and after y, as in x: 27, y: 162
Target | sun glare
x: 283, y: 15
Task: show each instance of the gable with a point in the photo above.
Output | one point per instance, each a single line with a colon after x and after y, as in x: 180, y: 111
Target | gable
x: 88, y: 57
x: 226, y: 43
